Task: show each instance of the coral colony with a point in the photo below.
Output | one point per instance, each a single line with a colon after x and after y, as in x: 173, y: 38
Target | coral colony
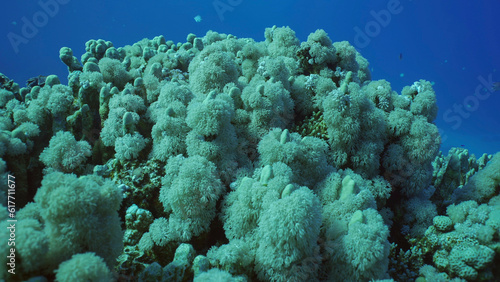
x: 226, y: 159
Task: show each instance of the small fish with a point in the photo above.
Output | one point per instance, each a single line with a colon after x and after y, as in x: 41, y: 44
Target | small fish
x: 400, y: 56
x: 495, y: 86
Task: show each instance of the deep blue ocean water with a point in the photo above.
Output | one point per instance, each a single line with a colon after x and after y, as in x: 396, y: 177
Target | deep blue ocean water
x: 453, y: 44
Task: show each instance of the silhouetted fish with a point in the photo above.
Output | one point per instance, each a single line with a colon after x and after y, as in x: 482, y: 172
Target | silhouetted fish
x: 495, y: 86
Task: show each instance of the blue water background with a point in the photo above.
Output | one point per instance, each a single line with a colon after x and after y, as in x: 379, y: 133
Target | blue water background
x: 453, y: 44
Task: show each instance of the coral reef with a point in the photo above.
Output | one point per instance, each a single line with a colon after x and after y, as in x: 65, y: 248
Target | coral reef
x: 226, y: 159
